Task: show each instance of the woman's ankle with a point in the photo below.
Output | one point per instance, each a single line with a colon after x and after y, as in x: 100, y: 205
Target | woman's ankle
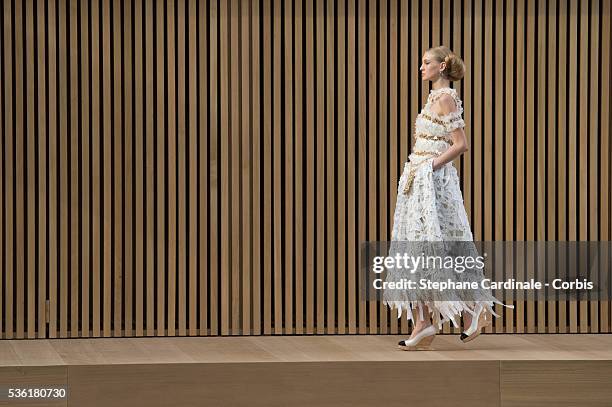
x: 422, y: 325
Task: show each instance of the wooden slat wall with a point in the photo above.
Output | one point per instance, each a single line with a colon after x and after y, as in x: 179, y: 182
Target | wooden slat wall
x: 210, y: 167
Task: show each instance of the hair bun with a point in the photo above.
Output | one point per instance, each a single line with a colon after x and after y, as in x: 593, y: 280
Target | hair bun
x: 455, y: 68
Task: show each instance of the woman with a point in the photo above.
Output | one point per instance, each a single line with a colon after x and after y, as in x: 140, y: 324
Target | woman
x: 430, y: 208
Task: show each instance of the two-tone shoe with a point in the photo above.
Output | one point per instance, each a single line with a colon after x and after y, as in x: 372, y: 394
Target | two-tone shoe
x: 421, y: 341
x: 479, y: 321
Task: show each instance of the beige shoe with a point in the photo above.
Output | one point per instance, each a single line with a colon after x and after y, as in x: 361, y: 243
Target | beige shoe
x: 479, y: 321
x: 421, y: 341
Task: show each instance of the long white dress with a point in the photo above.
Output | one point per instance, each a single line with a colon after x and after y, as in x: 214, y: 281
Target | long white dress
x: 430, y: 208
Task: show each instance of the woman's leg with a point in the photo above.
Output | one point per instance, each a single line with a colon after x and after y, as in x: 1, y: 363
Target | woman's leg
x: 467, y: 320
x: 467, y: 317
x: 421, y: 324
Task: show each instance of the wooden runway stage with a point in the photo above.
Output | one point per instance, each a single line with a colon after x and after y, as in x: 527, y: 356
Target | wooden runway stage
x: 494, y: 370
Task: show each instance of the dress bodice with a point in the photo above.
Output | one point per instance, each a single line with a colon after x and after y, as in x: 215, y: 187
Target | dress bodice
x: 432, y: 131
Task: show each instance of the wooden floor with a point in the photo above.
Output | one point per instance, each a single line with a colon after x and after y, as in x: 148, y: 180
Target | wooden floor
x: 494, y: 370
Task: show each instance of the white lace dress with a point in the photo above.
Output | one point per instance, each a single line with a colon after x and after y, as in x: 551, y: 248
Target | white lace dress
x: 430, y: 208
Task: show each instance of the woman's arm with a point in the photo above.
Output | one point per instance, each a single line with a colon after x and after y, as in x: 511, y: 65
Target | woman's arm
x: 446, y: 106
x: 459, y: 147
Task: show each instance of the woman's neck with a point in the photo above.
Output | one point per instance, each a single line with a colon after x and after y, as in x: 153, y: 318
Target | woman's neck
x: 440, y: 83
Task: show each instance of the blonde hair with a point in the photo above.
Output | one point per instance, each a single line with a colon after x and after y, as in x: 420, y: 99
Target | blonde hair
x: 455, y: 68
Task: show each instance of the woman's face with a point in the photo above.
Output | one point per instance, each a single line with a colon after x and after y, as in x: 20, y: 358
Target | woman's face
x: 430, y: 68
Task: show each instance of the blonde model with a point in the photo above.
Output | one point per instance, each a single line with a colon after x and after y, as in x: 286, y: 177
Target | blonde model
x: 430, y: 208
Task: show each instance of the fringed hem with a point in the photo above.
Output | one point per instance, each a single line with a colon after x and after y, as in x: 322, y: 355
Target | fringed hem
x: 442, y: 311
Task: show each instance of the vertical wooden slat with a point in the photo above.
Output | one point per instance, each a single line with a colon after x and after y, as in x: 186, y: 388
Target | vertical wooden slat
x: 85, y: 170
x: 276, y: 218
x: 192, y: 91
x: 528, y: 188
x: 583, y: 136
x: 275, y: 192
x: 455, y: 41
x: 394, y: 148
x: 241, y: 303
x: 530, y: 103
x: 160, y: 136
x: 255, y: 156
x: 73, y: 211
x: 469, y: 110
x: 107, y: 264
x: 171, y: 165
x: 117, y: 169
x: 582, y: 153
x: 96, y: 180
x: 53, y: 171
x: 551, y: 151
x: 267, y: 187
x: 330, y: 158
x: 404, y: 69
x: 299, y: 148
x: 541, y: 110
x: 383, y: 142
x: 489, y: 113
x: 320, y: 164
x: 478, y: 114
x: 64, y: 219
x: 30, y: 164
x: 414, y: 79
x: 531, y: 65
x: 459, y: 25
x: 447, y: 35
x: 141, y: 148
x: 571, y: 141
x: 43, y: 269
x: 236, y: 200
x: 362, y: 75
x: 214, y: 164
x: 374, y: 218
x: 128, y: 170
x: 425, y: 44
x: 9, y: 172
x: 583, y: 147
x: 203, y: 170
x: 182, y: 164
x: 352, y: 170
x: 562, y: 147
x: 405, y: 128
x: 499, y: 136
x: 520, y: 149
x: 540, y: 167
x: 449, y: 23
x: 150, y: 170
x: 415, y: 61
x: 342, y: 151
x: 19, y: 162
x: 594, y: 141
x: 289, y: 221
x: 436, y: 27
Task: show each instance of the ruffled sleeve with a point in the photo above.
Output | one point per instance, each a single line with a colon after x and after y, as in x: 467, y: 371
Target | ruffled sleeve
x: 454, y: 119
